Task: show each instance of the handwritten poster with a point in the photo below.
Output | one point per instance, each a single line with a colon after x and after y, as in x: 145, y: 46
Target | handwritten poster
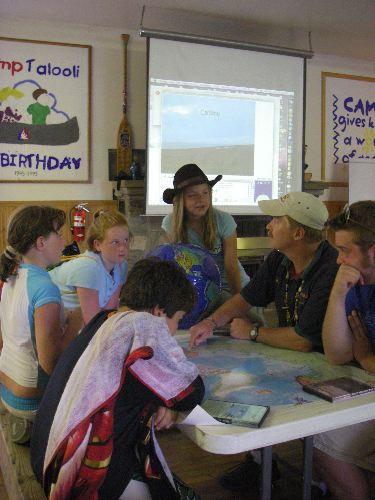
x: 348, y: 123
x: 44, y: 111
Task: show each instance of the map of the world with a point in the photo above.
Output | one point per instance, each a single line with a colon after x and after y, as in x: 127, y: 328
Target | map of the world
x: 247, y: 372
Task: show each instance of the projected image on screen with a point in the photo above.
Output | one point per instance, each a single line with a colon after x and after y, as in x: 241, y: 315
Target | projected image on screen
x: 215, y: 131
x: 237, y: 132
x: 232, y: 112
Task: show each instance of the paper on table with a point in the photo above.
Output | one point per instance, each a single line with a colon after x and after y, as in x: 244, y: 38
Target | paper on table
x: 199, y: 416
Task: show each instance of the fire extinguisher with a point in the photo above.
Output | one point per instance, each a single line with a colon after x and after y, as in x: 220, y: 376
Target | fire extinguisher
x: 78, y: 216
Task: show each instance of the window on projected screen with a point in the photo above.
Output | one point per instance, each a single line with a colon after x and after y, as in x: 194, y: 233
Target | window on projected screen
x: 247, y: 134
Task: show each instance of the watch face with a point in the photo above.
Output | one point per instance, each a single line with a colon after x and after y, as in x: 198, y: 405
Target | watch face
x: 254, y: 333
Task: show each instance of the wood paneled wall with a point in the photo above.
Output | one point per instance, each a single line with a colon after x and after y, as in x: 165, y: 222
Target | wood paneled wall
x: 7, y: 207
x: 335, y: 207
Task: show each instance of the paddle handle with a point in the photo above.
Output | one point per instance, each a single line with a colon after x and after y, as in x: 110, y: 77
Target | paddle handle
x: 124, y: 134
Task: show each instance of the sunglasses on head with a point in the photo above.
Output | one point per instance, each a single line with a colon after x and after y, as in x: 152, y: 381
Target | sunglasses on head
x: 346, y: 217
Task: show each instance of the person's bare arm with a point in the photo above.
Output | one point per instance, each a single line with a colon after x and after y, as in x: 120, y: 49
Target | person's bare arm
x: 236, y: 306
x: 283, y: 337
x: 113, y: 302
x: 337, y: 336
x: 231, y: 263
x: 50, y: 339
x: 89, y: 302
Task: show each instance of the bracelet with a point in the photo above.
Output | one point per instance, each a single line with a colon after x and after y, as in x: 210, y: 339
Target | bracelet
x: 210, y: 318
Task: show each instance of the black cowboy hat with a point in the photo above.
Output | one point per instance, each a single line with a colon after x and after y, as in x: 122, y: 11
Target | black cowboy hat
x: 187, y: 175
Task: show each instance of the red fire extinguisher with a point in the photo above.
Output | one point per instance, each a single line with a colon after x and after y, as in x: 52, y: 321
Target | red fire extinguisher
x: 78, y: 216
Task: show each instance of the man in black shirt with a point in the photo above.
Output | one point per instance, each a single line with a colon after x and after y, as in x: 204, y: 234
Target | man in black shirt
x: 298, y: 276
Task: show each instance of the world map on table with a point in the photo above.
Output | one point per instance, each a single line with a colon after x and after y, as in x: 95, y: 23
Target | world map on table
x: 247, y: 372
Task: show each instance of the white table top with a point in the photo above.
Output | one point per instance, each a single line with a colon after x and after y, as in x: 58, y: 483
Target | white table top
x: 285, y: 422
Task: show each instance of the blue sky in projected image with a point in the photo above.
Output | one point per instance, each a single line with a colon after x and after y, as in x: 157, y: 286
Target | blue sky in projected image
x: 203, y: 121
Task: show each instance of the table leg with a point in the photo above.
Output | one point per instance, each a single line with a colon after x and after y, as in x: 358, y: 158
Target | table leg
x: 307, y: 466
x: 266, y: 483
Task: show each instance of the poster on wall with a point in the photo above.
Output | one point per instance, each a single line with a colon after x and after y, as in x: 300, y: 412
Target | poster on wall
x: 45, y: 91
x: 348, y: 123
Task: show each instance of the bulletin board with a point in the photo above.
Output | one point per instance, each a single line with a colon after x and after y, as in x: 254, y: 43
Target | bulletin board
x: 45, y: 101
x: 348, y: 123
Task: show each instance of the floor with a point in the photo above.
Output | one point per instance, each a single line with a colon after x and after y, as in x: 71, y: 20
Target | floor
x: 201, y: 469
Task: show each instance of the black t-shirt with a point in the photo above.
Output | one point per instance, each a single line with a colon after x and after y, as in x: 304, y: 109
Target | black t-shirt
x: 272, y: 283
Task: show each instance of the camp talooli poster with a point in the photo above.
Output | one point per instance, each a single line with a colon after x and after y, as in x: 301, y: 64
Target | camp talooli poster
x: 348, y: 123
x: 45, y: 92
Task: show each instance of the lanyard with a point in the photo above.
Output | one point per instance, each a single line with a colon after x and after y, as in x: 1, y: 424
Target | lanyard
x: 292, y: 320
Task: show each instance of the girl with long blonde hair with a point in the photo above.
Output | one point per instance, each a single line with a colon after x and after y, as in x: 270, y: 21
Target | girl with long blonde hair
x: 194, y: 220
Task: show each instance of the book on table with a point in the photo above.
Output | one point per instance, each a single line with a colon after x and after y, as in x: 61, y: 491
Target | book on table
x: 242, y: 414
x: 338, y: 389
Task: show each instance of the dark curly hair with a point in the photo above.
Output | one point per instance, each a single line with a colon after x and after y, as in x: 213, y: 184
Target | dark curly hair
x: 154, y: 282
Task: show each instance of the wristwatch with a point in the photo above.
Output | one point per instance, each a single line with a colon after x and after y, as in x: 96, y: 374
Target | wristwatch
x: 254, y: 332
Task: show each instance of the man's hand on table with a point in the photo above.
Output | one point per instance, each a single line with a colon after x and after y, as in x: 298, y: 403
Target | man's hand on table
x: 240, y: 328
x: 201, y: 331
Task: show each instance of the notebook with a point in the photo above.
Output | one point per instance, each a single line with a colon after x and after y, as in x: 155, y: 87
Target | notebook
x: 236, y: 413
x: 338, y: 389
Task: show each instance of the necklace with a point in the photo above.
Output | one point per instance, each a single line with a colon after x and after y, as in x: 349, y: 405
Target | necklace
x: 292, y: 319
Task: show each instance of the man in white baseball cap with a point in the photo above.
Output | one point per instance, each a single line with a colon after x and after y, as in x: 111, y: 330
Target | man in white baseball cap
x: 298, y: 276
x: 301, y: 207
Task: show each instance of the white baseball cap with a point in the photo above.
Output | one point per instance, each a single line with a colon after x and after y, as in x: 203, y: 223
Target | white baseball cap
x: 301, y: 207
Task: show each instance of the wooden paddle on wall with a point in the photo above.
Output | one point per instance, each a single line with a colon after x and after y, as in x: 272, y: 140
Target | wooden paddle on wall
x: 124, y: 136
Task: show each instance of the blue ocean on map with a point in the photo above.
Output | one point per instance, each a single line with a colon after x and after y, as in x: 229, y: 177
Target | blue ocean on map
x: 246, y: 372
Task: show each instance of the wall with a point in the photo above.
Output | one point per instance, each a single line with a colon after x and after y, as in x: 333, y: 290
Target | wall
x: 107, y: 86
x: 318, y: 64
x: 8, y: 207
x: 106, y: 103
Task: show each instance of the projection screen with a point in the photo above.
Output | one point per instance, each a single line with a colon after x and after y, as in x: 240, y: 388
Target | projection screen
x: 233, y: 112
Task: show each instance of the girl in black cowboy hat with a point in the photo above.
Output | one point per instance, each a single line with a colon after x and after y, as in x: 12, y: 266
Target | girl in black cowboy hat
x: 194, y: 220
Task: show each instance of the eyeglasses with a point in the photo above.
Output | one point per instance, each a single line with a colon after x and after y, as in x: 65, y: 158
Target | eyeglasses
x: 346, y: 217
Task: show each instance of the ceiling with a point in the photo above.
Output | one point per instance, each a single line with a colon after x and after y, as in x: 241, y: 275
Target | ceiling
x: 352, y: 22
